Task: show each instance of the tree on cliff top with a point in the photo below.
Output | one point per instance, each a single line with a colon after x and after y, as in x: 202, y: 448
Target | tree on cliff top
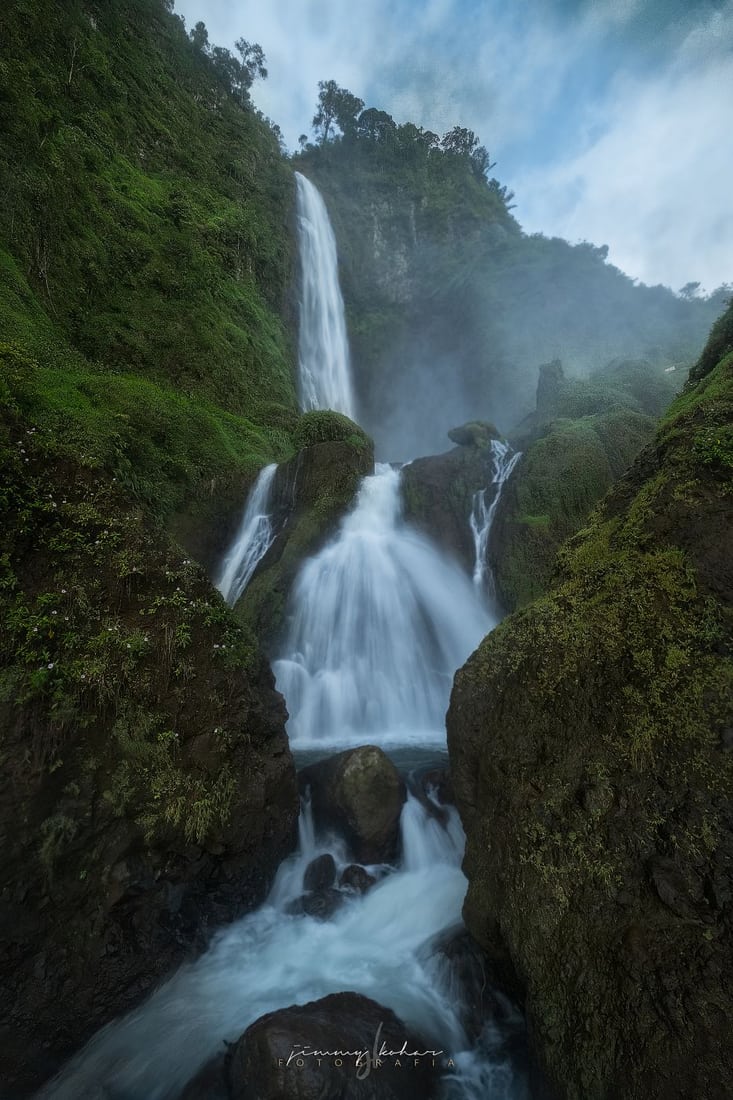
x: 336, y: 106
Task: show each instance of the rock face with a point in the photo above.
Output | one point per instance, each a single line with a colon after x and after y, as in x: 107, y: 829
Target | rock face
x: 592, y: 764
x: 584, y: 435
x: 347, y: 1022
x: 147, y: 790
x: 360, y: 793
x: 438, y: 490
x: 311, y: 494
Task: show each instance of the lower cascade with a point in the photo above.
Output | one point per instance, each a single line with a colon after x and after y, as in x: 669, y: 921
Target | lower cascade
x: 380, y: 621
x: 385, y: 944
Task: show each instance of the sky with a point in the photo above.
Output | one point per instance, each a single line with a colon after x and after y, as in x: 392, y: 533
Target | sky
x: 609, y: 119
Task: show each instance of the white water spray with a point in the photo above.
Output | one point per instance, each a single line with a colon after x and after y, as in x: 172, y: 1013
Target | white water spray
x: 482, y: 514
x: 323, y: 350
x: 380, y: 622
x: 253, y: 540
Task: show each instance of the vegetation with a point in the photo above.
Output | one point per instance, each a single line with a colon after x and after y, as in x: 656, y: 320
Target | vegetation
x: 583, y: 436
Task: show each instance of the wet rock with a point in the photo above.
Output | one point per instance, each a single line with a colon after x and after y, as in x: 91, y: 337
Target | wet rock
x: 258, y: 1068
x: 355, y: 877
x: 320, y: 873
x: 322, y: 904
x: 360, y: 793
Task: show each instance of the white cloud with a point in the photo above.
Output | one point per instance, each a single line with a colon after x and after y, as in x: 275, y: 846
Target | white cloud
x: 655, y: 183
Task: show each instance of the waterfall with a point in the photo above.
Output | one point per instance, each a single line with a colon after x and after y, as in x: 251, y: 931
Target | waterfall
x: 253, y: 540
x: 482, y: 514
x: 380, y: 621
x: 323, y: 349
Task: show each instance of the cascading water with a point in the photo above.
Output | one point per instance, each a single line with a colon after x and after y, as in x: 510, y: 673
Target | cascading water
x: 380, y: 622
x: 384, y: 944
x: 253, y: 540
x: 482, y: 514
x: 323, y: 349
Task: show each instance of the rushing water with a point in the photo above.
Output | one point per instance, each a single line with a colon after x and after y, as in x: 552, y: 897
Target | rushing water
x: 380, y: 621
x: 253, y: 540
x: 384, y: 944
x: 323, y: 349
x: 482, y: 514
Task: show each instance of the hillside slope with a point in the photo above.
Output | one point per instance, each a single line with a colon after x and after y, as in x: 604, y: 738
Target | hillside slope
x: 592, y: 744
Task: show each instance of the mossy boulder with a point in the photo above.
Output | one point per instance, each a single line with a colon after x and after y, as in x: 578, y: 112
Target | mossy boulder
x: 591, y: 752
x: 311, y: 493
x: 147, y: 791
x: 551, y: 493
x: 360, y: 793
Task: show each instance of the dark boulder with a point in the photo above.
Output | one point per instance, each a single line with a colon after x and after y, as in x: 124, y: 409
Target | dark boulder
x: 258, y: 1066
x: 360, y: 793
x: 356, y: 877
x: 320, y: 873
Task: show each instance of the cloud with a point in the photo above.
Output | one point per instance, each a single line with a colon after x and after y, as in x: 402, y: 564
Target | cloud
x: 606, y: 117
x: 654, y: 183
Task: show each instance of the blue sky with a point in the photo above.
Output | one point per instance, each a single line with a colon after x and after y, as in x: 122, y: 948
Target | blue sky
x: 610, y: 119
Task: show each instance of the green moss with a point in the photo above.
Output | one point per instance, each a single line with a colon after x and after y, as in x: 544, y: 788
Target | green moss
x: 325, y: 426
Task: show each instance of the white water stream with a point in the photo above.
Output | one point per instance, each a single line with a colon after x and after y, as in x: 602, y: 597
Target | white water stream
x: 323, y: 349
x: 482, y: 514
x: 253, y: 540
x: 384, y: 944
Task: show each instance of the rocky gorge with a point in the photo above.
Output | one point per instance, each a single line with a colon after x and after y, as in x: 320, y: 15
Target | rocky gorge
x: 232, y: 833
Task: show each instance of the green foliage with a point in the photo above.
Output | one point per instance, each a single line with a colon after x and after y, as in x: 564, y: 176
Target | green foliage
x: 146, y: 202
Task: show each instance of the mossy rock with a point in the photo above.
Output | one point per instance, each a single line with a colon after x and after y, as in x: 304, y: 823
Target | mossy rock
x: 311, y: 493
x: 476, y: 433
x: 590, y: 742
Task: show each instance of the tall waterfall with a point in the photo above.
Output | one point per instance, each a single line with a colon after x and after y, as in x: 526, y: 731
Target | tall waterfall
x: 323, y: 351
x: 380, y: 622
x: 253, y: 540
x: 482, y: 514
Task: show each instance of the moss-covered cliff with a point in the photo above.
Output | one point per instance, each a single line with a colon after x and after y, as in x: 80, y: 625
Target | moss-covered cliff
x: 583, y: 435
x: 592, y: 745
x: 147, y: 789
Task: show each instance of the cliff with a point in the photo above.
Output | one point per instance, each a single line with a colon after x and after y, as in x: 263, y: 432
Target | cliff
x: 591, y: 740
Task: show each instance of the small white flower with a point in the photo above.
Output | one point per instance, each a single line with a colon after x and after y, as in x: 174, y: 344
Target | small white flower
x: 50, y: 664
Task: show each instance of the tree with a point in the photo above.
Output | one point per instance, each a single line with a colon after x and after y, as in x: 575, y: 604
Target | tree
x: 336, y: 107
x: 200, y: 37
x: 689, y: 291
x: 253, y: 62
x: 481, y: 163
x: 459, y: 141
x: 375, y: 125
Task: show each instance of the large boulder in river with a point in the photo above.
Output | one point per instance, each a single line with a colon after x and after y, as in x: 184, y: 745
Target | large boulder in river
x: 591, y: 742
x: 359, y: 793
x: 264, y: 1064
x: 311, y: 493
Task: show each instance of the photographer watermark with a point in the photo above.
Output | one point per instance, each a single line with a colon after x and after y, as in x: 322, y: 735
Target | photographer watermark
x: 364, y: 1061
